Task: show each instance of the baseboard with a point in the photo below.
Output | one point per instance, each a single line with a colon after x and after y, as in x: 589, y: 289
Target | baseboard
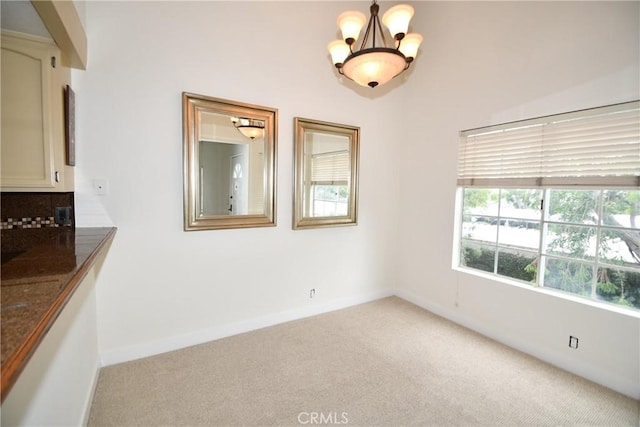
x: 126, y: 354
x: 88, y: 402
x: 621, y: 385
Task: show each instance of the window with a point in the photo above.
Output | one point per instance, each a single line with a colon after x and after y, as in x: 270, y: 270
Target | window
x: 557, y: 206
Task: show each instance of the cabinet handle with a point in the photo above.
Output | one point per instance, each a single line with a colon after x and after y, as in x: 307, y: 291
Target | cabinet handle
x: 53, y: 61
x: 57, y: 176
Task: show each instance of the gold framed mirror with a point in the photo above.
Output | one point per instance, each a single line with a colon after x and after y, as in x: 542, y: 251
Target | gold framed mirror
x: 229, y: 153
x: 325, y: 174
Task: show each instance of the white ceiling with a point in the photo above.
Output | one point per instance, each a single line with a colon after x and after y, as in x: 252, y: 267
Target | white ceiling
x: 19, y: 15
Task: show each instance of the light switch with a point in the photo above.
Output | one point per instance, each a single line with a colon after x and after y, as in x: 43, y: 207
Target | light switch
x: 100, y: 186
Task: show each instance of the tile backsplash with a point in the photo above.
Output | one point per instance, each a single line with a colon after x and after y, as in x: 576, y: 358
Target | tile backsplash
x: 30, y: 218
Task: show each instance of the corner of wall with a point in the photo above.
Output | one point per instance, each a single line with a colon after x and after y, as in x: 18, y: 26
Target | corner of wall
x: 624, y: 385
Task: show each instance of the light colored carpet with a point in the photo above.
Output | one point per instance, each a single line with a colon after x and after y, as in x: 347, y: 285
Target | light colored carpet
x: 385, y: 363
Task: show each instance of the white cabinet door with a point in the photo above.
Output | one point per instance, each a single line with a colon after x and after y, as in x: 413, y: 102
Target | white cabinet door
x: 28, y: 97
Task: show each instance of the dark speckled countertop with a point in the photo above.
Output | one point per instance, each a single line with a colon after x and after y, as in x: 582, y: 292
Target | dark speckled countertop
x: 36, y: 284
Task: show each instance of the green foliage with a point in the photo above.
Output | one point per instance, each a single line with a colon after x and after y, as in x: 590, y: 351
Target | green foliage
x: 331, y: 192
x: 516, y: 266
x: 576, y: 206
x: 607, y: 289
x: 478, y: 258
x: 621, y: 202
x: 573, y: 277
x: 474, y: 198
x: 509, y: 264
x: 523, y: 199
x: 619, y: 286
x: 584, y: 227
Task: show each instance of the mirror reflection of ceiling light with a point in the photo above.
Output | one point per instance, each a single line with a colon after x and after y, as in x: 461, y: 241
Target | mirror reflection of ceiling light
x: 250, y: 128
x: 377, y: 64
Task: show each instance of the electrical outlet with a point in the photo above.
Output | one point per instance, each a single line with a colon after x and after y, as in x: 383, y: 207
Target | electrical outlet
x: 100, y: 186
x: 573, y: 341
x: 62, y: 215
x: 312, y: 293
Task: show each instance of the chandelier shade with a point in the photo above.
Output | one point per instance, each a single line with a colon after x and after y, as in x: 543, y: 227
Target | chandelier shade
x: 375, y: 63
x: 375, y: 66
x: 350, y: 24
x: 410, y: 44
x: 249, y: 128
x: 397, y: 20
x: 339, y: 51
x: 251, y: 132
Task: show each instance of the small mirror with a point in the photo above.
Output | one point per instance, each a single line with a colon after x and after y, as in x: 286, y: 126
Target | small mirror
x: 229, y: 163
x: 325, y: 174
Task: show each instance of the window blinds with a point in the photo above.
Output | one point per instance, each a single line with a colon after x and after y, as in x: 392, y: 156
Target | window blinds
x: 599, y: 146
x: 330, y: 168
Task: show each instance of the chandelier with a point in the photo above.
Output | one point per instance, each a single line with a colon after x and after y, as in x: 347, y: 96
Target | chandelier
x: 249, y: 127
x: 377, y: 63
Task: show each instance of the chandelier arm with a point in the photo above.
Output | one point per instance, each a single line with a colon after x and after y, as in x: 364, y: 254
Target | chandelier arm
x: 374, y: 20
x: 384, y: 40
x: 366, y: 35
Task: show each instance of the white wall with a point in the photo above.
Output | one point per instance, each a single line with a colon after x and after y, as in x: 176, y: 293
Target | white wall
x: 162, y: 287
x: 488, y: 63
x: 481, y: 63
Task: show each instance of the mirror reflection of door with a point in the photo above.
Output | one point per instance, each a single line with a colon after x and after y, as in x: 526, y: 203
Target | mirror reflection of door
x: 218, y: 176
x: 231, y: 169
x: 238, y: 192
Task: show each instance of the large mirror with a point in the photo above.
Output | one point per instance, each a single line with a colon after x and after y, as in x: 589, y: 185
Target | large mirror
x: 325, y: 174
x: 229, y: 163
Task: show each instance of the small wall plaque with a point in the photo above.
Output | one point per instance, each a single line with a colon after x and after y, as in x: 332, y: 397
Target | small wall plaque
x: 70, y: 124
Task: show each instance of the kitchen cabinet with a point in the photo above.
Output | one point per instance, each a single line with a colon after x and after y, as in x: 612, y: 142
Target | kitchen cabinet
x: 33, y: 145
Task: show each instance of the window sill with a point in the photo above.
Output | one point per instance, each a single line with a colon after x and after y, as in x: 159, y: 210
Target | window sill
x: 552, y: 292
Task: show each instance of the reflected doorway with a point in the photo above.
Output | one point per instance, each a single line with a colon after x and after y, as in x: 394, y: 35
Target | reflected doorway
x: 238, y: 201
x: 222, y: 167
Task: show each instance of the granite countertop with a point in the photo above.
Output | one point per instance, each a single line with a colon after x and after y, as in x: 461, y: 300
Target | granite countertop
x: 36, y: 285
